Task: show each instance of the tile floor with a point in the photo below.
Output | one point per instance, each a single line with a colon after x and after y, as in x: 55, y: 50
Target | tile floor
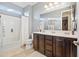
x: 21, y: 53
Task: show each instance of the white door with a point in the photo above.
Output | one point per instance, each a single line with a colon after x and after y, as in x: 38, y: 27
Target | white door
x: 11, y: 32
x: 24, y: 29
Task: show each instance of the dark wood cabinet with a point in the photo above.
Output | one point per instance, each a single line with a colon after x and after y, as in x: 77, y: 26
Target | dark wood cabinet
x: 48, y: 46
x: 59, y: 46
x: 35, y: 41
x: 54, y: 46
x: 67, y: 47
x: 41, y: 44
x: 59, y: 51
x: 74, y: 48
x: 48, y: 53
x: 70, y: 48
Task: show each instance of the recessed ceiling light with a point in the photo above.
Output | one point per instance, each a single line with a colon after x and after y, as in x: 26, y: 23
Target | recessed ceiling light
x: 45, y: 6
x: 63, y: 3
x: 10, y: 10
x: 15, y: 11
x: 26, y: 14
x: 50, y: 4
x: 55, y: 3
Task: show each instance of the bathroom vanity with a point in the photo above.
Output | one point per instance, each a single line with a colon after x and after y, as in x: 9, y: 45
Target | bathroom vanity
x: 55, y: 45
x: 55, y: 38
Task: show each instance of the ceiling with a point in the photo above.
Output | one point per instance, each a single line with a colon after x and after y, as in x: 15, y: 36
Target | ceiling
x: 24, y: 4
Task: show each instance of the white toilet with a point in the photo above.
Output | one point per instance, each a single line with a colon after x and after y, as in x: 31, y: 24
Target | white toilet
x: 29, y: 43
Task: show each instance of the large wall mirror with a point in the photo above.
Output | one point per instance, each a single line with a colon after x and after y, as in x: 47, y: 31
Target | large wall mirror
x: 60, y: 19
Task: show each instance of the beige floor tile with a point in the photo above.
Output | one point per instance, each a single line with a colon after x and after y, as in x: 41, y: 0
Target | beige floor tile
x: 21, y: 53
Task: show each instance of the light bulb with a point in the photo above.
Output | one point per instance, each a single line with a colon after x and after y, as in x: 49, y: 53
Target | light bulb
x: 10, y: 10
x: 26, y: 14
x: 63, y: 3
x: 45, y: 6
x: 55, y: 3
x: 50, y: 4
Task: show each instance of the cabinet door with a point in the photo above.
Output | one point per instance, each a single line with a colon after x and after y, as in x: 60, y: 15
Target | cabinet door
x: 48, y: 46
x: 67, y: 47
x: 54, y: 46
x: 48, y: 50
x: 48, y: 43
x: 70, y: 48
x: 60, y: 50
x: 35, y: 41
x: 41, y: 44
x: 73, y: 48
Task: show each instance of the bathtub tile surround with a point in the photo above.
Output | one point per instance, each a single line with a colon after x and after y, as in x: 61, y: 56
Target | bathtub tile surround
x: 9, y: 40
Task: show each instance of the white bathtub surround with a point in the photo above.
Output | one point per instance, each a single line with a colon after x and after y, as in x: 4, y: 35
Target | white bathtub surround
x: 10, y: 32
x: 58, y: 33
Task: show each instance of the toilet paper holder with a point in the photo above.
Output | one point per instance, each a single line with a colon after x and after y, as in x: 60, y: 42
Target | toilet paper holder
x: 76, y: 43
